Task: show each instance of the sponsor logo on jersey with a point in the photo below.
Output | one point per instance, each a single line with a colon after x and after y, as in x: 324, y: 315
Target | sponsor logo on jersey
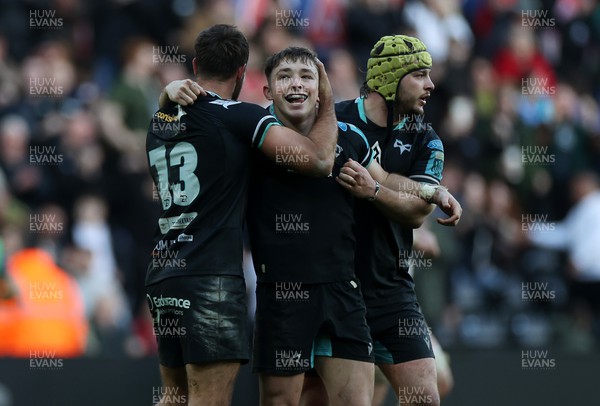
x: 169, y: 124
x: 435, y: 144
x: 169, y: 118
x: 177, y: 222
x: 185, y: 238
x: 435, y: 165
x: 159, y: 302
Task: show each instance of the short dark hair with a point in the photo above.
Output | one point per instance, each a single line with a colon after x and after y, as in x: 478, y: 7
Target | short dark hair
x: 365, y: 90
x: 220, y: 51
x: 291, y: 54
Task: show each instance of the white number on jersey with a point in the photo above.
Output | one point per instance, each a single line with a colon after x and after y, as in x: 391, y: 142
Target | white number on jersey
x: 184, y: 156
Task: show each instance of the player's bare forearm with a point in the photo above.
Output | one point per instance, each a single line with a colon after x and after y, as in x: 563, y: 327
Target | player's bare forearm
x: 324, y: 131
x: 415, y: 198
x: 401, y: 199
x: 403, y: 208
x: 413, y: 204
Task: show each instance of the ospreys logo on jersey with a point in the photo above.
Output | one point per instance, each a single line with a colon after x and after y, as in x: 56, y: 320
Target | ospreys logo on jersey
x: 376, y: 152
x: 225, y: 103
x: 403, y: 147
x: 338, y: 150
x: 167, y: 125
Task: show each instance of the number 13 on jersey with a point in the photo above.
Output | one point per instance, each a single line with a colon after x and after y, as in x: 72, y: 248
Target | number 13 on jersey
x: 183, y: 158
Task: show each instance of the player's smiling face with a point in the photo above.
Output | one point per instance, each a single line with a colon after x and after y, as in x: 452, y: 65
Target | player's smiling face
x: 294, y: 89
x: 413, y: 91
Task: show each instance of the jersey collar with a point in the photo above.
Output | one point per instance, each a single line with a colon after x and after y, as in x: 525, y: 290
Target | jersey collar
x: 272, y: 111
x: 360, y: 102
x: 213, y: 94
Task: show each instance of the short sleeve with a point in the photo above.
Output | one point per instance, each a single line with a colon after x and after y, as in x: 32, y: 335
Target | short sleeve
x: 248, y: 120
x: 430, y: 160
x: 361, y: 150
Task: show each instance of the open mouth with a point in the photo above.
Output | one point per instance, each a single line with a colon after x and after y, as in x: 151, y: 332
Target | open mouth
x: 296, y: 98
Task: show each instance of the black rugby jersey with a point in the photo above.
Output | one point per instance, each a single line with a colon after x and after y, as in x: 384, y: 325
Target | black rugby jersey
x: 302, y: 228
x: 199, y: 158
x: 415, y: 151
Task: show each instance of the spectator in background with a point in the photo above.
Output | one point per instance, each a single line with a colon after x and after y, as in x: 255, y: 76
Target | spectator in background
x: 106, y: 303
x: 47, y: 315
x: 136, y: 91
x: 439, y: 22
x: 84, y: 58
x: 521, y: 59
x: 9, y: 76
x: 343, y: 75
x: 27, y: 182
x: 578, y: 234
x: 369, y: 20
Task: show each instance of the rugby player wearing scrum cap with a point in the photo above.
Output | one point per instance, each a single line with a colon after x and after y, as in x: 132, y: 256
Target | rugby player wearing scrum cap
x: 390, y: 113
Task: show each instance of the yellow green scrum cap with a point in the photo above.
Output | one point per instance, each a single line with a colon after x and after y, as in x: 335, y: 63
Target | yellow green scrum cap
x: 392, y: 57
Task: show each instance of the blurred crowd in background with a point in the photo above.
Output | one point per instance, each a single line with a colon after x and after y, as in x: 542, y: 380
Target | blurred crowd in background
x: 516, y: 104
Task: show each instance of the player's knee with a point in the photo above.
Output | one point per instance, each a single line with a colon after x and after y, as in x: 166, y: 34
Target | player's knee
x: 445, y: 386
x: 357, y: 395
x: 278, y: 399
x: 417, y: 396
x: 359, y: 399
x: 278, y: 396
